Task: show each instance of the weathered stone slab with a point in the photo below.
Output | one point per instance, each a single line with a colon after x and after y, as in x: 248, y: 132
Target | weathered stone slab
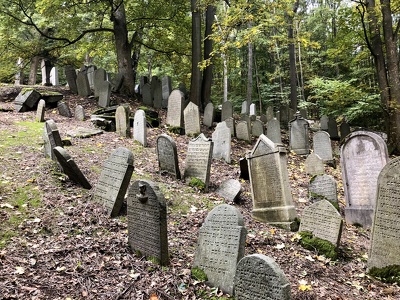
x: 40, y: 111
x: 122, y: 122
x: 322, y: 146
x: 157, y: 93
x: 70, y: 74
x: 146, y: 95
x: 104, y: 91
x: 175, y: 108
x: 244, y: 168
x: 191, y: 116
x: 99, y: 76
x: 314, y: 165
x: 140, y: 127
x: 298, y: 135
x: 344, y: 130
x: 227, y: 110
x: 82, y: 84
x: 221, y: 138
x: 245, y: 108
x: 167, y: 156
x: 323, y: 187
x: 209, y: 113
x: 90, y: 73
x: 230, y: 189
x: 333, y: 129
x: 257, y: 128
x: 252, y: 112
x: 54, y: 76
x: 51, y: 138
x: 116, y: 82
x: 80, y: 113
x: 64, y: 110
x: 324, y: 120
x: 230, y: 123
x: 82, y: 132
x: 26, y: 100
x: 274, y: 131
x: 242, y: 131
x: 166, y: 90
x: 270, y: 113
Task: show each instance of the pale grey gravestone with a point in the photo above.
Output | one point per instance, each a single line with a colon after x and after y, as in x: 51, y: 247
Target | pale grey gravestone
x: 227, y: 110
x: 209, y: 113
x: 257, y: 128
x: 242, y: 131
x: 385, y: 234
x: 166, y: 90
x: 82, y: 132
x: 269, y: 181
x: 70, y: 168
x: 70, y: 74
x: 324, y: 122
x: 247, y: 119
x: 220, y: 246
x: 198, y: 159
x: 122, y: 122
x: 90, y: 73
x: 230, y: 189
x: 147, y: 221
x: 221, y: 138
x: 323, y: 220
x: 245, y: 108
x: 263, y: 118
x: 344, y: 130
x: 26, y: 100
x: 278, y: 116
x: 116, y: 82
x: 322, y: 146
x: 142, y: 82
x: 99, y: 77
x: 104, y: 94
x: 40, y: 111
x: 140, y: 127
x: 146, y: 95
x: 253, y: 113
x: 314, y: 165
x: 80, y: 113
x: 157, y: 93
x: 82, y: 84
x: 333, y: 129
x: 167, y: 156
x: 51, y: 138
x: 362, y: 157
x: 323, y: 187
x: 63, y: 109
x: 284, y: 115
x: 230, y: 122
x: 191, y: 116
x: 298, y: 135
x: 274, y: 131
x: 270, y: 113
x: 259, y: 277
x: 175, y: 108
x: 54, y: 76
x: 114, y: 180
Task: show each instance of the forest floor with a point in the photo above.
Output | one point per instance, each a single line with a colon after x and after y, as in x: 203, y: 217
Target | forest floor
x: 56, y: 243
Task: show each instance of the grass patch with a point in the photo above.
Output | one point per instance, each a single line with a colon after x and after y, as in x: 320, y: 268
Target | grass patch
x: 388, y: 274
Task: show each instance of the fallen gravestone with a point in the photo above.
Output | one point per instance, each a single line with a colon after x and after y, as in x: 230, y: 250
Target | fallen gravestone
x: 82, y: 132
x: 323, y: 187
x: 191, y: 117
x: 79, y: 113
x: 221, y: 138
x: 167, y: 156
x: 209, y: 113
x: 140, y: 127
x: 175, y: 109
x: 26, y: 100
x: 122, y: 122
x: 230, y: 189
x: 314, y: 165
x: 51, y: 138
x: 40, y: 111
x: 63, y: 109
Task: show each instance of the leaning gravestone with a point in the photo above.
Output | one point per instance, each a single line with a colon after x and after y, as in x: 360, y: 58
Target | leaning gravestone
x: 122, y: 122
x: 385, y: 236
x: 175, y: 108
x: 221, y: 138
x: 79, y: 113
x: 146, y: 95
x: 259, y: 277
x: 63, y: 109
x: 51, y: 138
x: 257, y: 128
x: 167, y: 156
x: 166, y: 90
x: 298, y: 135
x: 191, y: 117
x: 362, y: 157
x: 82, y: 85
x: 220, y: 246
x: 209, y: 113
x: 230, y: 189
x: 243, y: 131
x: 70, y: 74
x: 314, y: 165
x: 114, y: 180
x: 99, y: 77
x: 274, y: 131
x: 40, y: 111
x: 323, y: 220
x: 227, y: 110
x: 147, y: 221
x: 140, y: 127
x: 104, y: 94
x: 322, y: 146
x: 323, y: 187
x: 26, y: 100
x: 70, y: 168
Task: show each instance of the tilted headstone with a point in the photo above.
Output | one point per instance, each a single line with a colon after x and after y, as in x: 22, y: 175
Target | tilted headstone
x: 324, y: 120
x: 54, y: 76
x: 227, y: 110
x: 26, y: 100
x: 209, y: 113
x: 274, y: 131
x: 63, y: 109
x: 314, y: 165
x: 221, y: 138
x: 100, y: 75
x: 242, y: 131
x: 245, y: 108
x: 82, y: 84
x: 51, y: 138
x: 40, y: 111
x: 270, y: 113
x: 220, y: 246
x: 344, y: 130
x: 147, y: 221
x: 259, y: 277
x: 166, y: 90
x: 230, y: 123
x: 362, y: 157
x: 333, y: 129
x: 140, y: 127
x: 104, y: 94
x: 122, y: 122
x: 322, y: 146
x: 298, y: 135
x: 230, y: 189
x: 157, y: 93
x: 253, y: 113
x: 191, y: 117
x: 167, y: 156
x: 80, y: 113
x: 269, y: 181
x: 323, y: 187
x: 70, y: 74
x: 257, y: 128
x: 175, y: 109
x: 146, y: 95
x: 114, y: 180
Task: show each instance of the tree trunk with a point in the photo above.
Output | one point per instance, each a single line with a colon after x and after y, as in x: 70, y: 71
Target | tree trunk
x: 208, y: 46
x: 249, y: 76
x: 292, y: 60
x: 195, y: 83
x: 33, y: 70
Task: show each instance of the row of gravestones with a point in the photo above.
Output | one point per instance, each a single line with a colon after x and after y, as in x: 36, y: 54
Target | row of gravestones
x: 155, y: 93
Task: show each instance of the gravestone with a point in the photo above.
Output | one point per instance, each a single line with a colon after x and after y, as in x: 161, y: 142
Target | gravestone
x: 314, y: 165
x: 270, y: 113
x: 114, y: 180
x: 54, y: 76
x: 153, y: 83
x: 82, y: 132
x: 104, y: 94
x: 82, y: 85
x: 274, y: 131
x: 198, y: 159
x: 324, y: 122
x: 90, y: 73
x: 298, y: 135
x: 209, y: 113
x: 230, y: 189
x: 191, y: 117
x: 230, y: 123
x: 245, y: 108
x: 227, y: 110
x: 253, y: 113
x: 142, y: 82
x: 220, y: 246
x: 322, y: 146
x: 140, y: 127
x: 122, y: 122
x: 26, y: 100
x: 45, y: 66
x: 167, y: 156
x: 221, y: 138
x: 99, y: 77
x: 70, y: 168
x: 303, y: 113
x: 284, y: 115
x: 362, y: 157
x: 244, y: 168
x: 166, y: 90
x: 63, y: 109
x: 257, y: 128
x: 147, y: 221
x: 51, y: 138
x: 323, y: 187
x: 79, y: 113
x: 333, y: 129
x: 157, y: 93
x: 259, y: 277
x: 71, y: 77
x: 242, y: 131
x: 385, y: 235
x: 146, y: 95
x: 40, y: 111
x: 263, y: 118
x: 344, y: 130
x: 323, y: 220
x: 116, y: 82
x: 269, y: 181
x: 175, y: 109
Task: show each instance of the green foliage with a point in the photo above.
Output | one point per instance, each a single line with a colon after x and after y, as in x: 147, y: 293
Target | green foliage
x: 198, y: 274
x: 310, y: 242
x: 197, y: 183
x: 389, y: 274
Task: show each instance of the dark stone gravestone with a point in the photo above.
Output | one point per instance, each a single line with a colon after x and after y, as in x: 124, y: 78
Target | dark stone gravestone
x: 175, y: 108
x: 303, y: 113
x: 147, y: 221
x: 70, y: 74
x: 242, y: 131
x: 79, y: 113
x: 142, y: 82
x: 322, y: 146
x: 191, y: 117
x: 259, y: 277
x: 324, y: 122
x: 362, y: 157
x: 227, y: 110
x: 104, y: 94
x: 244, y: 168
x: 298, y: 135
x: 220, y: 246
x: 140, y: 127
x: 63, y: 109
x: 230, y: 123
x: 122, y: 122
x: 90, y: 73
x: 157, y: 93
x: 221, y: 138
x: 208, y: 117
x: 284, y: 115
x: 257, y: 128
x: 26, y: 100
x: 274, y: 131
x: 253, y: 113
x: 153, y: 83
x: 230, y: 189
x: 323, y: 187
x: 114, y: 180
x: 82, y: 84
x: 116, y: 82
x: 263, y: 118
x: 333, y: 129
x: 344, y: 130
x: 314, y: 165
x: 51, y: 138
x: 183, y: 89
x: 100, y: 75
x: 167, y: 156
x: 40, y: 111
x: 245, y: 108
x: 166, y: 90
x: 82, y: 132
x: 270, y: 113
x: 146, y: 95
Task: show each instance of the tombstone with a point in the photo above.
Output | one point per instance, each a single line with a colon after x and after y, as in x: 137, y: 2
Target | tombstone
x: 19, y: 76
x: 298, y: 135
x: 71, y: 77
x: 230, y: 123
x: 142, y: 82
x: 54, y: 76
x: 242, y: 131
x: 70, y: 168
x: 253, y: 113
x: 26, y: 100
x: 175, y: 109
x: 147, y: 221
x: 385, y: 234
x: 140, y: 127
x: 99, y: 77
x: 191, y: 117
x: 166, y: 90
x: 157, y: 93
x: 146, y: 95
x: 167, y: 156
x: 153, y: 83
x: 344, y: 130
x: 63, y: 109
x: 259, y: 277
x: 122, y: 122
x: 51, y: 138
x: 269, y: 181
x: 362, y: 157
x: 198, y: 159
x: 183, y: 89
x: 274, y: 131
x: 323, y: 220
x: 220, y: 246
x: 116, y: 83
x: 82, y: 84
x: 221, y: 138
x: 270, y: 113
x: 245, y: 108
x: 323, y: 187
x: 322, y: 146
x: 227, y: 110
x: 263, y: 118
x: 90, y: 74
x: 104, y: 94
x: 284, y: 115
x: 303, y: 113
x: 40, y: 111
x: 257, y: 128
x: 114, y: 180
x: 209, y: 113
x: 45, y: 66
x: 314, y: 165
x: 79, y: 113
x: 244, y: 168
x: 229, y: 189
x: 324, y: 122
x: 333, y: 129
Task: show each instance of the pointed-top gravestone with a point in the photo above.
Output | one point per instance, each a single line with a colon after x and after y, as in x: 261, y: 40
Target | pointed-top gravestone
x: 243, y: 131
x: 221, y: 138
x: 314, y: 165
x: 274, y: 131
x: 175, y: 109
x: 146, y: 95
x: 209, y: 113
x: 79, y: 113
x: 192, y: 119
x: 227, y: 110
x: 229, y: 189
x: 100, y: 75
x: 298, y: 135
x: 140, y: 127
x: 122, y: 122
x: 40, y: 111
x: 322, y: 146
x: 166, y: 90
x: 167, y: 156
x: 104, y: 94
x: 70, y: 75
x: 257, y: 128
x: 324, y: 122
x: 82, y: 84
x: 323, y: 187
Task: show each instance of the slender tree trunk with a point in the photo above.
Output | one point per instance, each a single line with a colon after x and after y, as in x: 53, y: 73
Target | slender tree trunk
x: 136, y: 47
x: 195, y: 83
x: 33, y: 70
x: 249, y: 75
x: 208, y: 46
x: 292, y: 59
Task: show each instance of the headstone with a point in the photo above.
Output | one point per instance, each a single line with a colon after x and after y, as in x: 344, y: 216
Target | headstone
x: 191, y: 116
x: 322, y: 146
x: 147, y: 221
x: 259, y: 277
x: 269, y: 181
x: 70, y: 168
x: 90, y: 74
x: 104, y: 94
x: 82, y: 84
x: 303, y: 113
x: 116, y: 82
x: 263, y: 118
x: 114, y: 180
x: 209, y: 113
x: 40, y: 111
x: 45, y: 66
x: 100, y: 75
x: 122, y: 122
x: 166, y: 90
x: 253, y: 113
x: 146, y: 95
x: 63, y: 109
x: 298, y: 135
x: 167, y: 156
x: 245, y: 108
x: 230, y: 123
x: 274, y: 131
x: 227, y: 110
x: 140, y: 127
x: 333, y: 129
x: 142, y: 82
x: 220, y: 246
x: 284, y: 115
x: 175, y: 109
x: 26, y: 100
x: 198, y: 159
x: 221, y: 138
x: 323, y: 220
x: 323, y: 187
x: 324, y: 122
x: 344, y: 130
x: 54, y: 76
x: 314, y: 165
x: 244, y: 168
x: 51, y: 138
x: 183, y: 89
x: 230, y: 189
x: 79, y: 113
x: 362, y: 157
x: 257, y: 128
x: 70, y: 74
x: 153, y: 83
x: 270, y: 113
x: 157, y: 93
x: 242, y: 131
x: 385, y: 235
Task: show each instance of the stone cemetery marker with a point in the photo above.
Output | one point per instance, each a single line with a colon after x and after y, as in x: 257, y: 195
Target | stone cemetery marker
x: 166, y: 90
x: 157, y: 93
x: 70, y: 168
x: 322, y: 146
x: 274, y: 131
x: 99, y: 77
x: 284, y: 115
x: 175, y: 108
x: 51, y: 138
x: 303, y: 113
x: 209, y: 113
x: 191, y: 116
x: 90, y: 73
x: 244, y: 168
x: 26, y: 100
x: 259, y: 277
x: 221, y: 138
x: 70, y: 74
x: 270, y: 113
x: 253, y: 114
x: 385, y: 236
x: 344, y: 130
x: 82, y: 84
x: 79, y: 113
x: 82, y: 132
x: 114, y: 180
x: 245, y: 108
x: 63, y: 109
x: 40, y: 111
x: 104, y: 94
x: 230, y: 123
x: 154, y: 81
x: 140, y: 127
x: 362, y: 157
x: 146, y: 94
x: 230, y: 189
x: 257, y: 128
x: 220, y: 246
x: 147, y: 221
x: 242, y: 131
x: 324, y: 122
x: 333, y: 129
x: 198, y: 159
x: 298, y: 135
x: 142, y: 82
x: 227, y: 110
x: 263, y: 118
x: 323, y: 187
x: 116, y: 82
x: 314, y: 165
x: 269, y: 181
x: 122, y: 122
x: 167, y: 156
x: 54, y: 76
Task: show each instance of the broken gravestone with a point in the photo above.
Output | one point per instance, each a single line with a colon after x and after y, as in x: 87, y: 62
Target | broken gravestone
x: 229, y: 189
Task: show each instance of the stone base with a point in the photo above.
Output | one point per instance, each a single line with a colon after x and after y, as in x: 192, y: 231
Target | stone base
x: 275, y: 215
x: 359, y: 215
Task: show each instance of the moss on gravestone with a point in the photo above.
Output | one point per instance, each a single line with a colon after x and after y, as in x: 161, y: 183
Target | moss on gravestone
x: 389, y: 274
x: 196, y: 182
x: 198, y: 274
x: 310, y: 242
